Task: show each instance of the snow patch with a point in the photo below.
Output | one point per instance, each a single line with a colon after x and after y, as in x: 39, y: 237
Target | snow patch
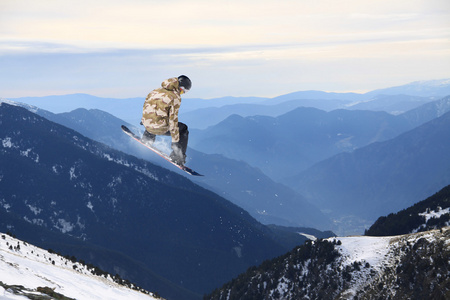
x: 364, y: 249
x: 6, y: 142
x: 6, y: 207
x: 435, y: 214
x: 309, y: 236
x: 431, y: 214
x: 34, y: 209
x: 56, y: 169
x: 72, y: 173
x: 90, y: 206
x: 64, y: 226
x: 238, y: 251
x: 115, y: 181
x: 32, y: 267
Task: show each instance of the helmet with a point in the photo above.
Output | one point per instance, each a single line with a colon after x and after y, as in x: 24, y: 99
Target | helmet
x: 185, y: 82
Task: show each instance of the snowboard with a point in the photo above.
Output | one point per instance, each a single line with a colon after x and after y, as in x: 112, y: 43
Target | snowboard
x: 162, y: 154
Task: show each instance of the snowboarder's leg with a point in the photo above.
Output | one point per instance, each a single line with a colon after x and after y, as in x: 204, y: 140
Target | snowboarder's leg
x: 184, y: 137
x: 178, y: 154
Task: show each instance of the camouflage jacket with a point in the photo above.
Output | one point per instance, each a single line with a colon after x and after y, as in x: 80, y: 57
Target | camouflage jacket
x: 160, y: 114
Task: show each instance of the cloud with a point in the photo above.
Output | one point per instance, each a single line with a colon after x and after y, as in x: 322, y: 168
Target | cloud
x: 107, y: 47
x: 161, y: 24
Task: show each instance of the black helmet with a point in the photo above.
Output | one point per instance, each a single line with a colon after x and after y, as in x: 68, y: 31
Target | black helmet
x: 185, y: 82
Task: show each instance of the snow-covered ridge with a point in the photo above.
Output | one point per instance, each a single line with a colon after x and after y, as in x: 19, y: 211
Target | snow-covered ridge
x: 14, y: 142
x: 410, y: 266
x: 377, y: 254
x: 431, y: 83
x: 22, y: 264
x: 31, y: 108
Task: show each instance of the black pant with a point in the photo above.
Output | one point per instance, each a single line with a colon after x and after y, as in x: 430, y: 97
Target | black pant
x: 184, y: 136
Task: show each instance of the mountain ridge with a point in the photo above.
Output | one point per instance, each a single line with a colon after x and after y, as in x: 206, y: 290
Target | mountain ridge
x: 282, y: 146
x: 404, y: 266
x: 81, y: 188
x: 133, y: 105
x: 267, y: 201
x: 382, y: 177
x: 401, y: 267
x: 429, y: 214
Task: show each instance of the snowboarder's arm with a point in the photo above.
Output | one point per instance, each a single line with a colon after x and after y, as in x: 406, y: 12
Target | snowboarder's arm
x: 173, y: 121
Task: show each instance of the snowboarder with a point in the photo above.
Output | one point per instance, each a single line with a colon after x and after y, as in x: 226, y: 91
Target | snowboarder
x: 160, y: 116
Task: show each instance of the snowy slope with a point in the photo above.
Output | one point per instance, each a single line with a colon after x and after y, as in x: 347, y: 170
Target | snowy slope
x: 411, y: 266
x: 31, y: 267
x: 362, y: 249
x: 381, y: 253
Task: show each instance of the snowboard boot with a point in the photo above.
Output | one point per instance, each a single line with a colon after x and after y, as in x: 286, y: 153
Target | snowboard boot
x: 148, y: 138
x: 179, y: 160
x: 177, y: 155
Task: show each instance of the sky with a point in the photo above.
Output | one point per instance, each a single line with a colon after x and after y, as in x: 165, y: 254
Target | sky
x: 264, y: 48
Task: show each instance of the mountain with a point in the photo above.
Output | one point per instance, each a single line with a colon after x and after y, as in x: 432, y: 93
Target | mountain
x: 231, y: 137
x: 205, y: 117
x: 382, y: 177
x: 304, y: 136
x: 285, y: 145
x: 241, y: 183
x: 393, y: 100
x: 80, y: 250
x: 29, y: 272
x: 413, y: 266
x: 57, y: 180
x: 95, y: 124
x: 99, y: 126
x: 317, y: 95
x: 425, y: 88
x: 431, y: 213
x: 190, y: 104
x: 202, y: 118
x: 129, y: 109
x: 393, y: 104
x: 406, y: 266
x: 267, y: 201
x: 427, y: 112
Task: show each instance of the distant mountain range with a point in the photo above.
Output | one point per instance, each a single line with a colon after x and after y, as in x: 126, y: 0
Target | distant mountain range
x: 245, y: 152
x: 61, y: 190
x: 394, y: 104
x: 288, y: 144
x: 285, y: 145
x: 382, y: 177
x: 340, y: 168
x: 130, y: 109
x: 425, y: 88
x: 267, y: 201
